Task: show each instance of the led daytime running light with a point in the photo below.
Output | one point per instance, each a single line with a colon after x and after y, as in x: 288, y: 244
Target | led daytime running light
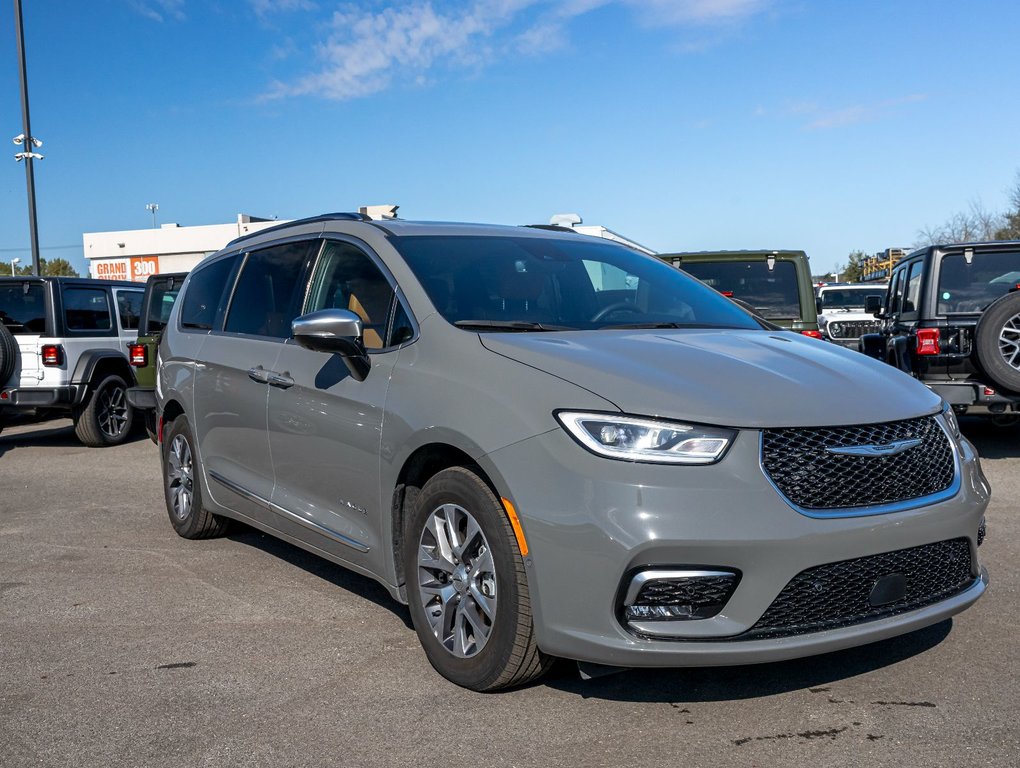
x: 632, y: 438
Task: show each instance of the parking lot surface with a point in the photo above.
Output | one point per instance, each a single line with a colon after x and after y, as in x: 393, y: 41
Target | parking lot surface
x: 124, y: 645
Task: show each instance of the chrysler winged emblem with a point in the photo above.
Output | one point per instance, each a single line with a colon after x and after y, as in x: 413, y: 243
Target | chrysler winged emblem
x: 888, y: 449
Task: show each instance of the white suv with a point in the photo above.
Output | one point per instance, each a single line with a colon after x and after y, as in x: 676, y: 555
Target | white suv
x: 63, y: 347
x: 841, y: 315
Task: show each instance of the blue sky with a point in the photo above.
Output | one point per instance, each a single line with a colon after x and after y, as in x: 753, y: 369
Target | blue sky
x: 684, y: 124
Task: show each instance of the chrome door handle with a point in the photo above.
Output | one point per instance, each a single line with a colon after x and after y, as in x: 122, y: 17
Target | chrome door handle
x: 281, y: 380
x: 259, y: 374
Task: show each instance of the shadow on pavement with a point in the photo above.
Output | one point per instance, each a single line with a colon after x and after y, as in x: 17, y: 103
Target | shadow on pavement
x: 55, y: 434
x: 362, y: 586
x: 705, y: 684
x: 992, y: 442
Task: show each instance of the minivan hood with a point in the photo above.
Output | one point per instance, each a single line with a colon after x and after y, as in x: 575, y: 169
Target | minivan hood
x: 726, y: 377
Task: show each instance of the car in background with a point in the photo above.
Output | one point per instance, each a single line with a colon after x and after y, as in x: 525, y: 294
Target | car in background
x: 63, y: 350
x: 776, y: 284
x: 952, y: 320
x: 841, y: 315
x: 159, y: 297
x: 553, y: 445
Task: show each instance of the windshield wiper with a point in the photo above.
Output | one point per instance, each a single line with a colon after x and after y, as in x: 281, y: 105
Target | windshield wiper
x: 511, y: 325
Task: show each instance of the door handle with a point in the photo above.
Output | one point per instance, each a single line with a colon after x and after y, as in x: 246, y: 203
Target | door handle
x: 259, y: 374
x: 281, y: 380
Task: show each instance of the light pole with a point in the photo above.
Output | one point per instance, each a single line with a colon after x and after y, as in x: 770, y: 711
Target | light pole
x: 152, y: 208
x: 28, y: 140
x: 14, y: 261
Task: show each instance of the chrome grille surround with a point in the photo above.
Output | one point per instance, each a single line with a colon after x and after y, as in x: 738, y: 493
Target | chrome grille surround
x: 817, y: 483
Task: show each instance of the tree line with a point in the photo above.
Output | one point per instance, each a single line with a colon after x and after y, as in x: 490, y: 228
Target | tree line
x: 51, y: 267
x: 974, y: 224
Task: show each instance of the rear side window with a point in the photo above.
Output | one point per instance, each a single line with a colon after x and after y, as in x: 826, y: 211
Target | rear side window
x: 912, y: 294
x: 23, y: 307
x: 87, y: 309
x: 265, y: 299
x: 204, y: 293
x: 972, y: 287
x: 129, y: 307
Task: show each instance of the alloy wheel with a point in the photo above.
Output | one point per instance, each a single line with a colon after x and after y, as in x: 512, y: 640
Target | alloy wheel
x: 457, y: 580
x: 112, y: 412
x: 180, y: 477
x: 1009, y: 342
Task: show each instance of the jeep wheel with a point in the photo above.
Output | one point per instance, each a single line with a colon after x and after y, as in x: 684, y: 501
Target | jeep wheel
x: 466, y: 586
x: 997, y: 341
x: 182, y: 485
x: 8, y: 354
x: 106, y: 419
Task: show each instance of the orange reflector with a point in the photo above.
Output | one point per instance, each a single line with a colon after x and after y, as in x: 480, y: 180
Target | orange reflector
x: 515, y: 523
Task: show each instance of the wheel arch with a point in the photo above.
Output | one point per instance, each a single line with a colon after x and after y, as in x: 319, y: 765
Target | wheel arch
x: 95, y: 364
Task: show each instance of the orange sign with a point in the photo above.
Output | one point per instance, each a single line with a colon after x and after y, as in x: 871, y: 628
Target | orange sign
x: 112, y: 270
x: 143, y: 266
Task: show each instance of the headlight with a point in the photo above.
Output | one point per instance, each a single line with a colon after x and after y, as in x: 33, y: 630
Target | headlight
x: 835, y: 329
x: 950, y: 417
x: 639, y: 439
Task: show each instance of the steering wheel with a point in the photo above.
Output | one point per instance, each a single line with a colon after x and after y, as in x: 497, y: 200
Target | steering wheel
x: 616, y: 306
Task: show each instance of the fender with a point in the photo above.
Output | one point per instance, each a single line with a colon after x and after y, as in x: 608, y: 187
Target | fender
x: 88, y: 361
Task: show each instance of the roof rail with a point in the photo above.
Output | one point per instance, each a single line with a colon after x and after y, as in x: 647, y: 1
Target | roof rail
x: 340, y: 216
x: 552, y: 227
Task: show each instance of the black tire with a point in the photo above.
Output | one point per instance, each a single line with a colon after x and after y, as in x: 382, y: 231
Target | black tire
x: 1001, y: 319
x: 8, y: 354
x: 509, y: 656
x: 106, y: 418
x: 194, y: 521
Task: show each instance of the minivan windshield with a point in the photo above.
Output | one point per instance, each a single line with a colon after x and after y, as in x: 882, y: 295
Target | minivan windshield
x: 772, y: 292
x: 850, y: 297
x: 506, y: 283
x: 23, y: 307
x: 971, y: 287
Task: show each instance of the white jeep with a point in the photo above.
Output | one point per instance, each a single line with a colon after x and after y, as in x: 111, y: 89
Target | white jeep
x: 841, y: 315
x: 63, y: 348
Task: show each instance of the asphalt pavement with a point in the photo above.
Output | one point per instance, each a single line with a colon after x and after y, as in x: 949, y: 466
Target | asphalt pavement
x: 124, y: 645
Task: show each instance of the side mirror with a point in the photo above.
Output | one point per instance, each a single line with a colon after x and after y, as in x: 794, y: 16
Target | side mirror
x: 818, y: 305
x: 337, y: 331
x: 873, y: 305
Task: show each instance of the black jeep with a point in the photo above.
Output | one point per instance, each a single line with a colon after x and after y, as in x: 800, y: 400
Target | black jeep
x: 952, y: 320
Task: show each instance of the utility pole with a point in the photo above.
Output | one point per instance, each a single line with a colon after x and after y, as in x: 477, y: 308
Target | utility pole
x: 27, y: 139
x: 152, y: 208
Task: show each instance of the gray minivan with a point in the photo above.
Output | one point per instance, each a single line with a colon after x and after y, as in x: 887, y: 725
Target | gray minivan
x: 549, y: 445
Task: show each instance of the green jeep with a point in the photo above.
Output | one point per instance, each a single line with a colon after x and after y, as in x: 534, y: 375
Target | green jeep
x: 777, y: 284
x: 160, y: 294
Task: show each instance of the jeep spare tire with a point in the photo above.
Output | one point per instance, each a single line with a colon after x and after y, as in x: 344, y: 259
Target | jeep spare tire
x: 997, y: 341
x: 8, y: 354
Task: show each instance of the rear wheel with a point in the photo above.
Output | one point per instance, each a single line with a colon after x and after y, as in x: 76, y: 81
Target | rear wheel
x: 997, y: 341
x: 107, y: 418
x: 182, y: 486
x: 466, y: 586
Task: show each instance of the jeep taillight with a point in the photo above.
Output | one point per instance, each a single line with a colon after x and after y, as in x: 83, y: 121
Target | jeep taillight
x: 138, y: 355
x: 813, y: 334
x: 52, y: 354
x: 928, y: 341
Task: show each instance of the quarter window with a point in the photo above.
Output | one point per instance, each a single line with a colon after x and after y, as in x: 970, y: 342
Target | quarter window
x: 346, y: 278
x: 87, y: 309
x: 205, y: 289
x: 265, y: 299
x: 912, y: 295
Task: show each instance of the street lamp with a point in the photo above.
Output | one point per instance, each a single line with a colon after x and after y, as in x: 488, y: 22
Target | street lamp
x: 14, y: 261
x: 152, y: 208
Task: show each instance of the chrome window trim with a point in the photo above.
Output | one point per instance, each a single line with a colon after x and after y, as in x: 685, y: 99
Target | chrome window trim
x: 329, y: 533
x: 879, y: 509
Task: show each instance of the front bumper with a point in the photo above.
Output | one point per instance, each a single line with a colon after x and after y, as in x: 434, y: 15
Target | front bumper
x: 590, y: 521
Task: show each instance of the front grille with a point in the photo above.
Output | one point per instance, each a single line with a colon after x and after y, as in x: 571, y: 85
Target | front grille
x: 852, y: 329
x: 799, y: 463
x: 838, y: 594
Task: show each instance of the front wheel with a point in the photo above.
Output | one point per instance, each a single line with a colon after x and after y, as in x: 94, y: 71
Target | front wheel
x: 466, y: 586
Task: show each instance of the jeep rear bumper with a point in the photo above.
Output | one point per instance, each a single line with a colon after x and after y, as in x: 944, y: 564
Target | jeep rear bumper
x: 975, y: 396
x: 142, y: 398
x: 42, y: 397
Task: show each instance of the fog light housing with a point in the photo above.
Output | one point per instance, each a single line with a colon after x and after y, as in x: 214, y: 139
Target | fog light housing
x: 677, y: 594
